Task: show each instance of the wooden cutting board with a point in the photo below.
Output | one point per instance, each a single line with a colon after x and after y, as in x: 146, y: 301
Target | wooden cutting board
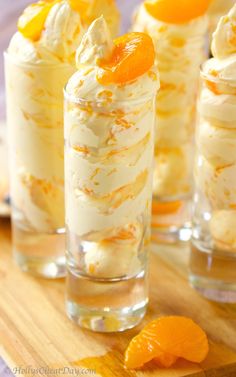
x: 35, y: 332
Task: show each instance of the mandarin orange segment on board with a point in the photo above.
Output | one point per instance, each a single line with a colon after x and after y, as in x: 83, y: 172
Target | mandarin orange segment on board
x: 165, y: 360
x: 133, y: 55
x: 166, y: 339
x: 32, y: 20
x: 177, y: 12
x: 141, y: 350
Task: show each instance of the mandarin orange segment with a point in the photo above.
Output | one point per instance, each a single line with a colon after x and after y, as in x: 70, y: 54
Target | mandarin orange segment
x: 81, y: 6
x: 31, y: 22
x: 179, y: 336
x: 165, y: 360
x: 141, y: 350
x: 177, y: 12
x: 159, y: 208
x: 133, y: 55
x: 166, y: 339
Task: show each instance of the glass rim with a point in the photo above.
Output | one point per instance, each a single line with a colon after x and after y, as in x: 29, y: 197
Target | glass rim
x: 217, y: 80
x: 85, y: 102
x: 12, y: 58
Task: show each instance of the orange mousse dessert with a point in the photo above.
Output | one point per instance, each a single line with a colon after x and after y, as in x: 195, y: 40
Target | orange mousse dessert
x: 39, y: 61
x: 109, y: 131
x: 178, y: 31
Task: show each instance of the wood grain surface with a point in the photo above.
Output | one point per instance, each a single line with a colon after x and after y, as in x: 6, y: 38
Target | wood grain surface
x: 34, y: 330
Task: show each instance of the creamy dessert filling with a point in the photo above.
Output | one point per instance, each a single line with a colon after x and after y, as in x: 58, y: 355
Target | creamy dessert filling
x: 110, y: 149
x: 178, y: 32
x: 217, y: 9
x: 216, y: 137
x: 40, y: 60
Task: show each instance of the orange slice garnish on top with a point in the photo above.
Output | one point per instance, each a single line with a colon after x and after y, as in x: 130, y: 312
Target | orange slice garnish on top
x: 31, y: 22
x: 132, y: 56
x: 80, y: 6
x: 177, y: 12
x: 166, y: 339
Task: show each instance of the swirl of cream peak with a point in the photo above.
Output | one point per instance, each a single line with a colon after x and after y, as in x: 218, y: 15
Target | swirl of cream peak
x: 224, y: 48
x: 58, y: 42
x: 97, y: 44
x: 224, y: 37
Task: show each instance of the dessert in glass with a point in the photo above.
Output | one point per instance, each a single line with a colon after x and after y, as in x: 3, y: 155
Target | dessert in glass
x: 109, y: 125
x: 38, y: 63
x: 217, y: 9
x: 213, y: 254
x: 179, y: 34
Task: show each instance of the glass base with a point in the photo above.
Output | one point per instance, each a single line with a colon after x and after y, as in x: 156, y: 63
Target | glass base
x: 172, y: 234
x: 50, y: 269
x: 40, y: 254
x: 106, y: 305
x: 214, y: 290
x: 171, y: 220
x: 212, y: 274
x: 106, y: 321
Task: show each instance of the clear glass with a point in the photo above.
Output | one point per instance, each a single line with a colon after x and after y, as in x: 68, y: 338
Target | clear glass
x: 108, y: 175
x: 179, y: 59
x: 213, y: 251
x: 34, y: 96
x: 4, y: 177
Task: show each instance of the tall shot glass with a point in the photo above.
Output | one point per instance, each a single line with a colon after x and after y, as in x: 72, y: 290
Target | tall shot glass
x: 108, y: 182
x: 213, y: 251
x: 174, y: 141
x: 180, y: 50
x: 35, y: 121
